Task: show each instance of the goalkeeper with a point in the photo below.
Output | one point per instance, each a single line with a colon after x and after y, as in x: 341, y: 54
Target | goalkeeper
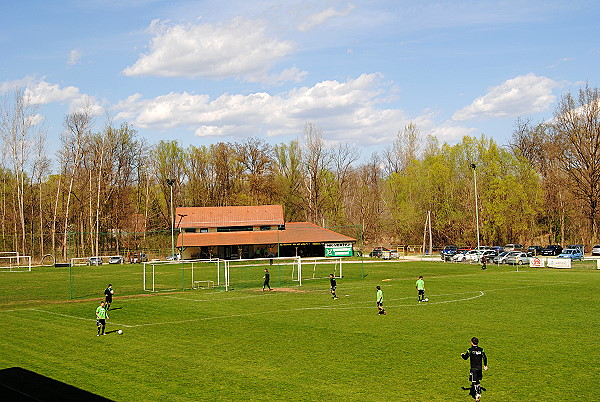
x: 332, y: 286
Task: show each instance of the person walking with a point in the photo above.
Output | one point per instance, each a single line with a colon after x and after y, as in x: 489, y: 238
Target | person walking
x: 483, y: 262
x: 478, y: 360
x: 267, y: 278
x: 332, y: 286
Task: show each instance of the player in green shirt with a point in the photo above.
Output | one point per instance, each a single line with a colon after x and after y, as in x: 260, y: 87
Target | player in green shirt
x: 380, y: 301
x: 101, y: 317
x: 421, y: 289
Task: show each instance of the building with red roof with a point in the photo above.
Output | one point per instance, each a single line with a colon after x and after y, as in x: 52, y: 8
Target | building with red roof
x: 249, y: 231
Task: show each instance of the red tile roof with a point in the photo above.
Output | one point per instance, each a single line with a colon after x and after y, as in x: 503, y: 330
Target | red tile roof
x: 215, y: 217
x: 294, y: 233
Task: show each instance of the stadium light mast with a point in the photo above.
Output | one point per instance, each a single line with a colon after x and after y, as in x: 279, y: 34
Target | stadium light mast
x: 170, y: 182
x: 476, y: 203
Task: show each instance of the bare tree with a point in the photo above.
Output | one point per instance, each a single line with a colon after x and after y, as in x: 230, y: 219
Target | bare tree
x: 77, y: 128
x: 19, y: 126
x: 576, y: 130
x: 404, y: 149
x: 316, y: 162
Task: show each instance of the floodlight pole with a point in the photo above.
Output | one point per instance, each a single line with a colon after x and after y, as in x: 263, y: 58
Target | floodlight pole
x: 170, y: 183
x: 476, y: 203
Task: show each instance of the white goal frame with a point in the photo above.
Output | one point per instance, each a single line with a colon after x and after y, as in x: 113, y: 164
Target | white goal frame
x: 194, y: 282
x: 304, y: 263
x: 17, y: 266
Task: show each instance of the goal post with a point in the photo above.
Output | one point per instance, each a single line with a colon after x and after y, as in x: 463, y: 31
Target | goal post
x: 162, y: 276
x: 318, y: 268
x: 250, y: 273
x: 15, y: 262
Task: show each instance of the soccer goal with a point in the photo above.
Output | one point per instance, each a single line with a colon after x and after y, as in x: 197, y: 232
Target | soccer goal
x: 11, y: 261
x: 310, y: 268
x: 164, y: 276
x: 250, y: 273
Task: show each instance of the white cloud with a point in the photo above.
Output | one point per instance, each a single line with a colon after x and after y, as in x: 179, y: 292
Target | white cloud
x: 451, y: 132
x: 522, y: 95
x: 347, y: 111
x: 239, y: 49
x: 322, y: 17
x: 41, y: 92
x: 74, y: 57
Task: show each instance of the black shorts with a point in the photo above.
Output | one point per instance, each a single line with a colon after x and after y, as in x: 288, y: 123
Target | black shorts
x: 421, y: 291
x: 100, y: 322
x: 379, y: 304
x: 475, y: 375
x: 109, y: 299
x: 333, y: 288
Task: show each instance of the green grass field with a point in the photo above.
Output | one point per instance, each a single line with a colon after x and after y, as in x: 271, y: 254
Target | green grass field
x: 539, y: 327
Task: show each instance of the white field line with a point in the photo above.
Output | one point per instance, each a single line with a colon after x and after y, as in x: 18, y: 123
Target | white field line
x: 325, y: 307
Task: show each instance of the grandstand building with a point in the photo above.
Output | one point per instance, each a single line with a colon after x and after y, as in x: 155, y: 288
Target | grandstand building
x: 250, y: 232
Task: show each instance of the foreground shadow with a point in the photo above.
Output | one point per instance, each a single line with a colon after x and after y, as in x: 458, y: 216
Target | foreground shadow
x: 19, y: 384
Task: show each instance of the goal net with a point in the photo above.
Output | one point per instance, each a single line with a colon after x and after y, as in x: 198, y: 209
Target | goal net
x: 164, y: 276
x: 310, y: 268
x: 10, y: 262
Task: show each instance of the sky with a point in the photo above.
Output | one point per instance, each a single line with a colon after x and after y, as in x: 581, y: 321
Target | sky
x: 208, y: 71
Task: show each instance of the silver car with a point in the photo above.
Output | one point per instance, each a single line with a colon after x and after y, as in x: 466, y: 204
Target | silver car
x: 517, y: 258
x: 596, y: 249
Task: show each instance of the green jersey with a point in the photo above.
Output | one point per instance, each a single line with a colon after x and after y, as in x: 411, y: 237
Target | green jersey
x: 380, y: 296
x: 420, y: 284
x: 101, y: 313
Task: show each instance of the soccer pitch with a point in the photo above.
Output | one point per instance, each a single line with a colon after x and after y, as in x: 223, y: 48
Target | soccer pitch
x: 539, y: 328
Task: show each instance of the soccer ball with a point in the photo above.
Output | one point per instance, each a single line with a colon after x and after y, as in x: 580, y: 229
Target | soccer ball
x: 426, y: 299
x: 120, y: 332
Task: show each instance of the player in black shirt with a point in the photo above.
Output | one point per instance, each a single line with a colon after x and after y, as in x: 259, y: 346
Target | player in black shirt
x: 108, y: 293
x: 333, y: 285
x: 478, y: 359
x: 267, y: 278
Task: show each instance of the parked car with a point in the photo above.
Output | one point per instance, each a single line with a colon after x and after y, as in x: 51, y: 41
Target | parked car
x: 513, y: 247
x: 116, y: 259
x: 572, y: 253
x: 518, y: 258
x: 448, y: 252
x: 501, y: 258
x: 471, y: 256
x: 596, y: 249
x: 137, y: 258
x: 489, y: 254
x: 94, y: 261
x: 174, y: 257
x: 460, y: 256
x: 378, y: 252
x: 535, y: 250
x: 552, y: 249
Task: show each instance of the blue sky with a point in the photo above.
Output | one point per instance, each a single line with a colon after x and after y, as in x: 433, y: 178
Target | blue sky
x: 201, y: 72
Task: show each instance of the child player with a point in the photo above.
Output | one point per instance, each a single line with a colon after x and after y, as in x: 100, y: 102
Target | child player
x: 420, y: 285
x: 478, y: 359
x: 332, y: 286
x: 380, y: 301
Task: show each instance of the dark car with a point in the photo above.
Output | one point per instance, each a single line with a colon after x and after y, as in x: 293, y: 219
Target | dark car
x: 534, y: 250
x: 378, y: 252
x: 448, y: 252
x: 552, y: 249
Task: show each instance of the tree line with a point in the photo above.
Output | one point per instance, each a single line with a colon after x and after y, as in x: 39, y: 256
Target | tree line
x: 108, y: 190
